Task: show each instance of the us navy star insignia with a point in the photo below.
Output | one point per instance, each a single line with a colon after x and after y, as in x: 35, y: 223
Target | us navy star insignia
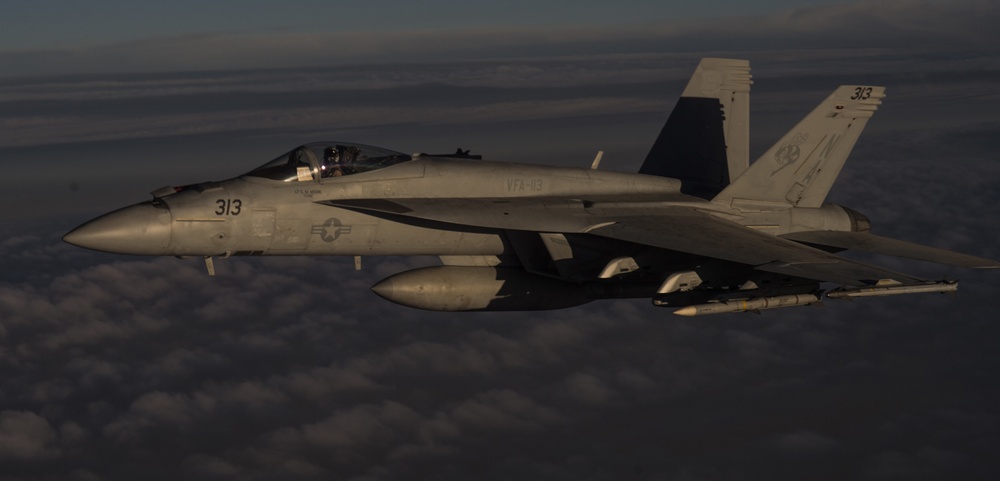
x: 331, y: 230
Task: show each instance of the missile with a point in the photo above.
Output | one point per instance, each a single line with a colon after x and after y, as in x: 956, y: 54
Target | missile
x: 886, y: 289
x: 743, y: 305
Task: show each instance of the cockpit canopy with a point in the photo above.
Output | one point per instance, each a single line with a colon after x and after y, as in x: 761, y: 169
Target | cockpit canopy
x: 320, y: 160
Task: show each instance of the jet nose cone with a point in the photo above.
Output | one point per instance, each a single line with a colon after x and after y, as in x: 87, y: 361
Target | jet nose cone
x: 142, y: 229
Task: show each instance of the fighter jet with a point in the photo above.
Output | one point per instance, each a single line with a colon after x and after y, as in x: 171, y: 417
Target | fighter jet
x: 698, y: 229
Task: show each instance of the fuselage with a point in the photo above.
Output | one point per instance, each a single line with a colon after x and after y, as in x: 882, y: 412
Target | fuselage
x: 251, y: 215
x: 355, y: 200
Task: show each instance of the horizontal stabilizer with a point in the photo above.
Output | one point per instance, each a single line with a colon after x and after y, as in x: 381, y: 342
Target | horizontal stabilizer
x: 867, y: 242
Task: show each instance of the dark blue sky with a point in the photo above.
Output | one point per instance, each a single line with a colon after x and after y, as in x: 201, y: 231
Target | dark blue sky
x: 118, y: 367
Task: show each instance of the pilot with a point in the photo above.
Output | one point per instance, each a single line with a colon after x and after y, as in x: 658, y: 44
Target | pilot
x: 331, y: 163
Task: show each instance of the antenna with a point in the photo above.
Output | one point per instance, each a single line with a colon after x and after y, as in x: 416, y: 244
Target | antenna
x: 597, y: 160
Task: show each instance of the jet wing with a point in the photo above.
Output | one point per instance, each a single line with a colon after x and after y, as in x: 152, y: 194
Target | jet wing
x: 690, y: 231
x: 868, y: 242
x: 677, y: 228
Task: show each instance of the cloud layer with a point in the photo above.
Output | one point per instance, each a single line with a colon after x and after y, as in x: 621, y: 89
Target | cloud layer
x: 149, y: 366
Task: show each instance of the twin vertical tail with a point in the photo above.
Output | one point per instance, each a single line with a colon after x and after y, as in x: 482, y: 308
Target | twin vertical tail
x: 799, y: 170
x: 705, y: 142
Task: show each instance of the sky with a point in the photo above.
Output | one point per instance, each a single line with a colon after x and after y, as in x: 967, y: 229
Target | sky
x: 119, y: 367
x: 43, y: 24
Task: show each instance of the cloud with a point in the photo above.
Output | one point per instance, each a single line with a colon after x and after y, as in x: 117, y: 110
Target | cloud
x: 804, y: 441
x: 587, y: 389
x: 26, y: 435
x: 265, y: 389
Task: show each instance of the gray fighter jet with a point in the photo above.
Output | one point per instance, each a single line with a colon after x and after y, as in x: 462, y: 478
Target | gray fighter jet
x: 699, y: 228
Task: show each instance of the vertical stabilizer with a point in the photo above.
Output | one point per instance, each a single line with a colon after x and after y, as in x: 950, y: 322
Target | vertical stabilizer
x: 800, y: 169
x: 705, y: 142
